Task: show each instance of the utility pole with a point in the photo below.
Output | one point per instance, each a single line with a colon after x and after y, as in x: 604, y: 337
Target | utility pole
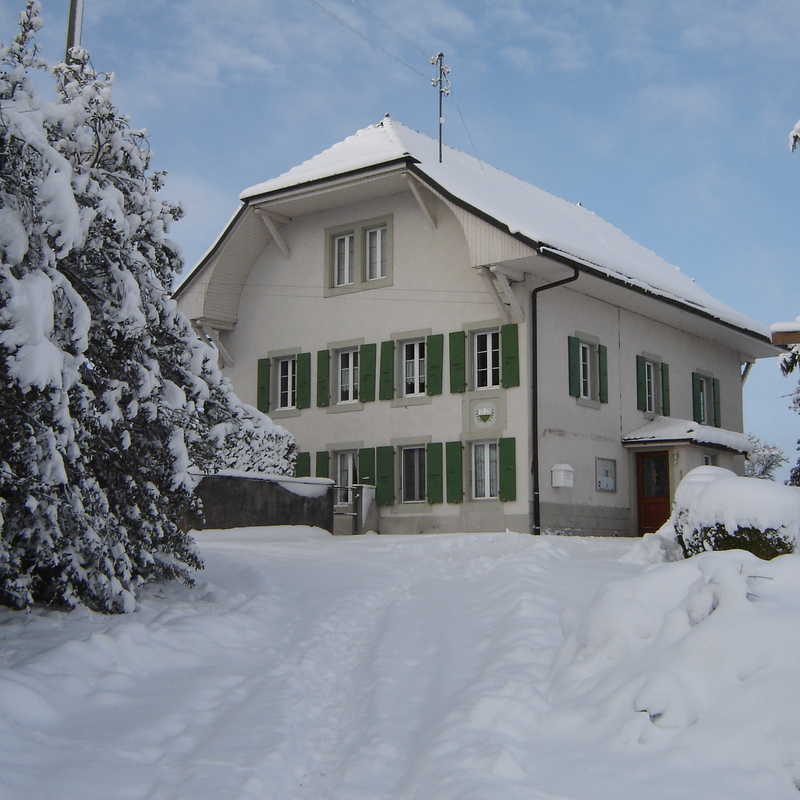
x: 442, y: 85
x: 74, y: 25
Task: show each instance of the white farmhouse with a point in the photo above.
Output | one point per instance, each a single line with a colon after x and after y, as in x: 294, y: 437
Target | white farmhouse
x: 488, y: 355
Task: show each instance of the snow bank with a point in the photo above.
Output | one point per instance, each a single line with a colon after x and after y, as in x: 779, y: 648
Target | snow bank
x: 698, y: 656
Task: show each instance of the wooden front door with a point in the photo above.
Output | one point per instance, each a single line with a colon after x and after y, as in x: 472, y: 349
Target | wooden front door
x: 652, y: 481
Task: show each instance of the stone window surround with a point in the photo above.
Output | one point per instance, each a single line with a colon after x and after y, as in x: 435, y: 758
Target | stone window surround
x: 333, y: 349
x: 275, y: 356
x: 657, y: 360
x: 471, y: 328
x: 360, y: 282
x: 593, y: 341
x: 399, y: 338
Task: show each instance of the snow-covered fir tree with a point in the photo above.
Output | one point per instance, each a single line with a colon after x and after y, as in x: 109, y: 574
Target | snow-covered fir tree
x: 763, y: 459
x: 110, y: 402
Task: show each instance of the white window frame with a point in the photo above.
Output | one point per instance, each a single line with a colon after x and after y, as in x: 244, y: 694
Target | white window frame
x: 585, y: 358
x: 485, y: 475
x: 349, y: 259
x: 287, y: 384
x: 350, y: 380
x: 419, y: 361
x: 702, y: 391
x: 420, y: 476
x: 492, y: 359
x: 650, y: 387
x: 375, y: 272
x: 346, y: 462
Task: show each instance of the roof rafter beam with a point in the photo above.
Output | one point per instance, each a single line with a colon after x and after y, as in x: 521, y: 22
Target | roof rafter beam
x: 423, y: 206
x: 505, y: 294
x: 271, y: 225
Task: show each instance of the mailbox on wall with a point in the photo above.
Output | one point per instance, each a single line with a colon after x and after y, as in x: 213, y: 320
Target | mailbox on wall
x: 563, y: 476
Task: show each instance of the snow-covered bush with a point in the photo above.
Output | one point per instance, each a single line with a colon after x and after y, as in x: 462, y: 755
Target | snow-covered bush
x: 715, y: 510
x: 109, y: 400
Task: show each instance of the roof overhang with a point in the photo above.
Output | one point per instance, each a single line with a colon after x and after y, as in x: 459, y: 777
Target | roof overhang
x: 671, y: 432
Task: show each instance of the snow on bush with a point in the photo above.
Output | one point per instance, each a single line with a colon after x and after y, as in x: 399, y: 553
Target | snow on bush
x: 698, y: 656
x: 714, y: 509
x: 108, y: 396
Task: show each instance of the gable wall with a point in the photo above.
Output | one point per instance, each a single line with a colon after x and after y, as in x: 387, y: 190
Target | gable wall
x: 282, y: 307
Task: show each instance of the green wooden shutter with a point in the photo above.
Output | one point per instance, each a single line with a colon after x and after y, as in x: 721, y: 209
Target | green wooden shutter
x: 665, y: 389
x: 458, y: 361
x: 386, y: 386
x: 262, y: 385
x: 716, y: 398
x: 507, y: 455
x: 302, y: 467
x: 455, y: 469
x: 697, y: 412
x: 366, y: 465
x: 602, y: 363
x: 434, y: 354
x: 304, y: 380
x: 323, y: 464
x: 433, y: 472
x: 323, y: 378
x: 573, y: 350
x: 641, y: 384
x: 509, y: 355
x: 366, y: 372
x: 384, y: 476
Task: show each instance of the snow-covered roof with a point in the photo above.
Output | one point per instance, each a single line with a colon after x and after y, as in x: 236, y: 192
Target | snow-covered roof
x: 523, y: 208
x: 672, y: 429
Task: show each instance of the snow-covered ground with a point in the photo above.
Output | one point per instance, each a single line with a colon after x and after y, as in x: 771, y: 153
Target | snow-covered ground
x: 439, y: 667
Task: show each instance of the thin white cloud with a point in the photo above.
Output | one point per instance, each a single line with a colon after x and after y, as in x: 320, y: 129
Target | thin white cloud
x: 681, y: 104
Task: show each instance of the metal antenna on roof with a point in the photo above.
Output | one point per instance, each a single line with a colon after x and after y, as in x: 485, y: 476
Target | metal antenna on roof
x: 442, y: 85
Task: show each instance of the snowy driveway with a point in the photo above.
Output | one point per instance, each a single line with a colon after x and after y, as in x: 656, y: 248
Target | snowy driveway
x: 303, y: 666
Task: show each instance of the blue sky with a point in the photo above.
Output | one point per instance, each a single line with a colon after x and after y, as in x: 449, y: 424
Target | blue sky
x: 669, y: 119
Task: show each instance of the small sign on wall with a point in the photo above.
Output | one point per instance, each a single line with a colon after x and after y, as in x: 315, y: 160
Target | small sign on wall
x: 606, y: 474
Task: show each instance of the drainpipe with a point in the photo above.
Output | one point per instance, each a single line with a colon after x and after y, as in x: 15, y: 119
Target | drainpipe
x: 537, y: 513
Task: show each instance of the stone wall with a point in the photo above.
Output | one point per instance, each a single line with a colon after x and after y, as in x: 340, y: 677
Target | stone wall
x: 234, y: 502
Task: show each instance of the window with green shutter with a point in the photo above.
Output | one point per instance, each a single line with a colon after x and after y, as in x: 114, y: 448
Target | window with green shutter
x: 602, y: 373
x: 434, y: 352
x: 665, y: 408
x: 717, y: 418
x: 458, y: 361
x: 509, y: 356
x: 323, y: 468
x: 699, y: 393
x: 507, y: 455
x: 366, y: 370
x: 302, y: 466
x: 384, y: 475
x: 573, y: 353
x: 323, y: 378
x: 386, y: 382
x: 366, y: 465
x: 262, y: 385
x: 454, y: 472
x: 434, y: 470
x: 304, y: 380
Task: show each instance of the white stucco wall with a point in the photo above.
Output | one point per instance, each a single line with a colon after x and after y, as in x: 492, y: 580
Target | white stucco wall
x: 283, y: 307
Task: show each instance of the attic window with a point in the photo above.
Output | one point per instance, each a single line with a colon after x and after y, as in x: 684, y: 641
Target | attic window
x: 343, y: 260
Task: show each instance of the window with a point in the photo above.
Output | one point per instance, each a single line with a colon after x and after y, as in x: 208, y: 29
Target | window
x: 346, y: 476
x: 343, y: 260
x: 358, y: 256
x: 586, y: 371
x: 413, y: 368
x: 287, y: 383
x: 413, y: 474
x: 486, y: 359
x: 348, y: 376
x: 702, y: 400
x: 484, y: 470
x: 649, y: 386
x: 376, y: 253
x: 709, y: 460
